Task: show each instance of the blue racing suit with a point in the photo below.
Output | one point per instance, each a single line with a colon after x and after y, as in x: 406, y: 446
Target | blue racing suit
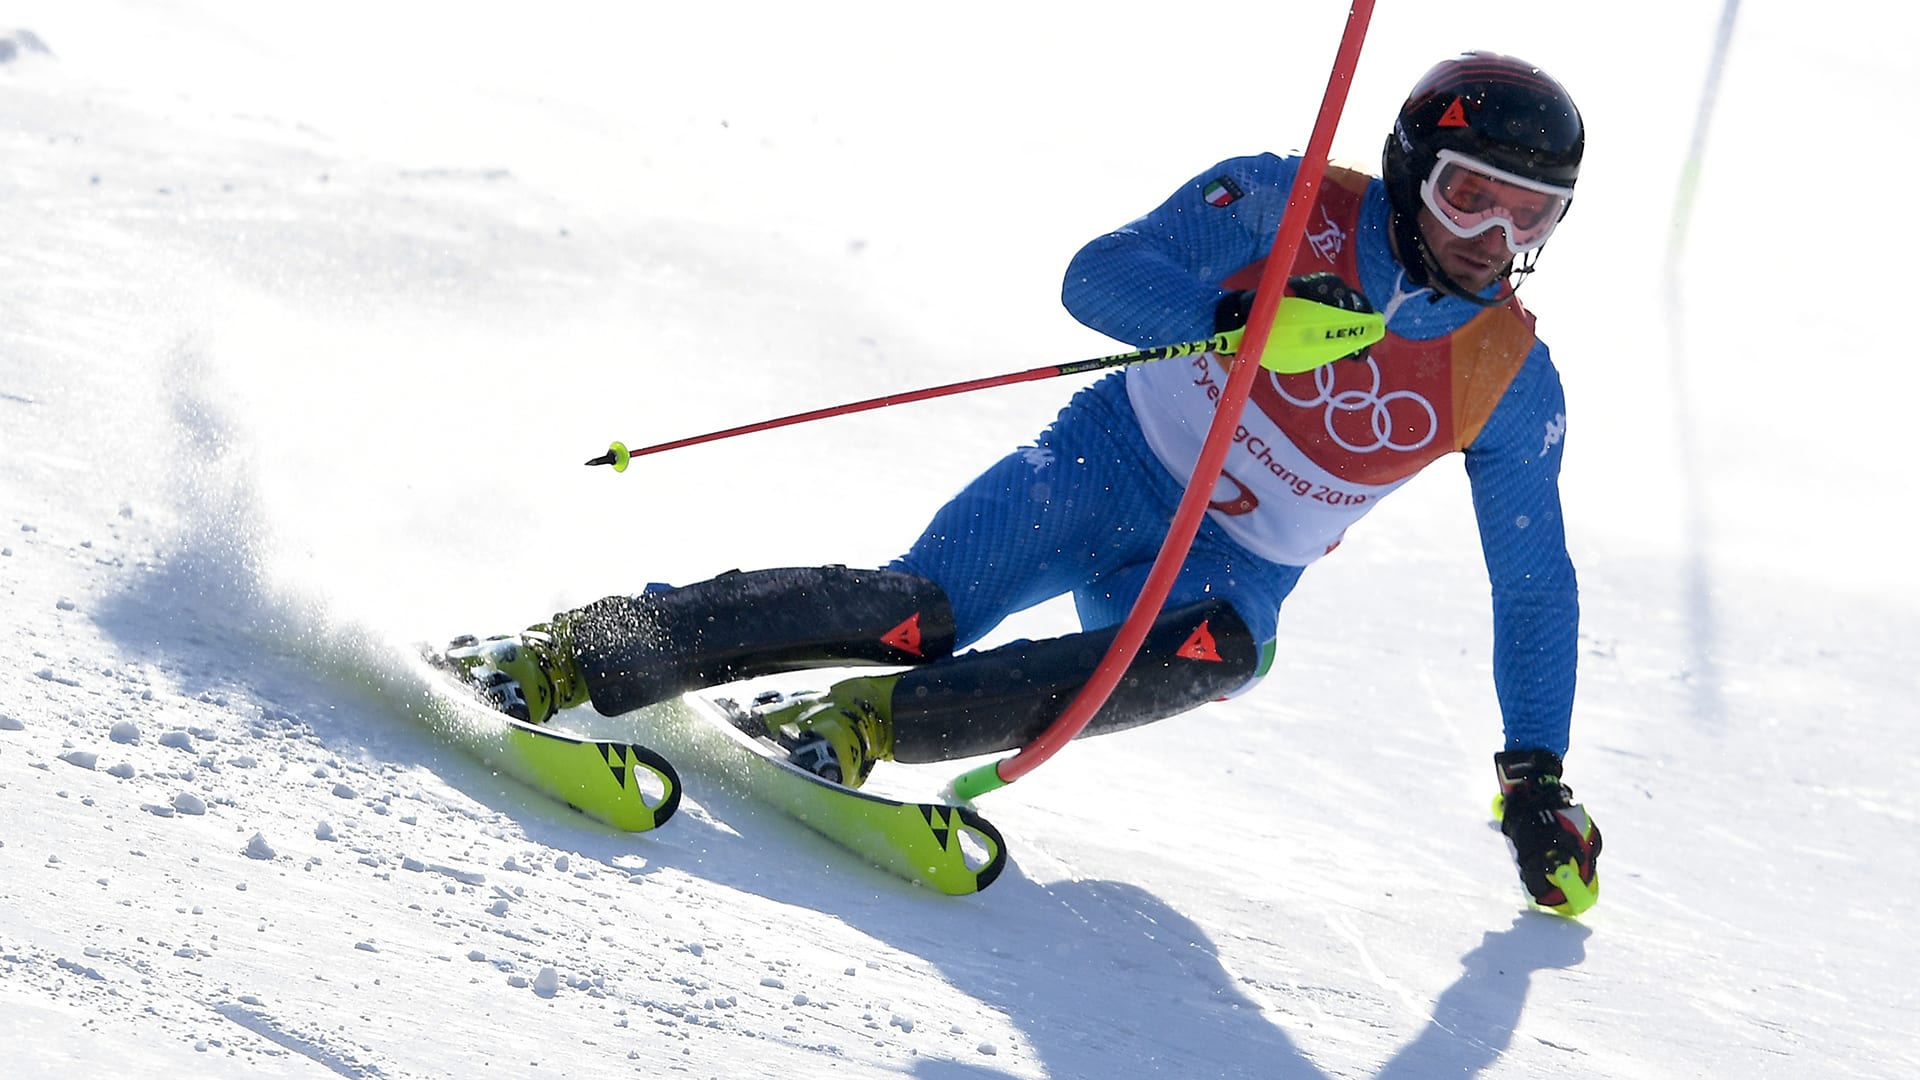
x: 1083, y: 511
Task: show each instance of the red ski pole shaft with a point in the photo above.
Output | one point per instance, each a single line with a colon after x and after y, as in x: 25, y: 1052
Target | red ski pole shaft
x: 1213, y: 453
x: 618, y: 455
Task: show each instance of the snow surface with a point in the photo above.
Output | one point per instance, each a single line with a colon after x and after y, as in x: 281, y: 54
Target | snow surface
x: 311, y: 313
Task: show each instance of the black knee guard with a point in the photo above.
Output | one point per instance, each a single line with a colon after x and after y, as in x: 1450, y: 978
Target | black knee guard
x: 636, y: 650
x: 995, y: 700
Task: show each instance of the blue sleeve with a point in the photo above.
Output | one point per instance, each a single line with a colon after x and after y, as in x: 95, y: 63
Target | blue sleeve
x: 1514, y: 468
x: 1155, y: 281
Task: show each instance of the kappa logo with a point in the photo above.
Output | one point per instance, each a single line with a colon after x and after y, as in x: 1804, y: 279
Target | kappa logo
x: 1328, y: 241
x: 1556, y: 431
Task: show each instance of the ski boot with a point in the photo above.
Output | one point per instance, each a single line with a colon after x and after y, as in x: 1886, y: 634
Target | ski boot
x: 838, y: 735
x: 529, y: 676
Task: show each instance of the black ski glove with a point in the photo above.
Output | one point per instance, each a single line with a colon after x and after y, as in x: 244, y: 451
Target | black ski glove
x: 1325, y: 287
x: 1232, y: 311
x: 1322, y: 287
x: 1555, y: 845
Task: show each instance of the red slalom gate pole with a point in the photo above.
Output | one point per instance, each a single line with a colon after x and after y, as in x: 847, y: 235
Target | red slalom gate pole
x: 1213, y: 453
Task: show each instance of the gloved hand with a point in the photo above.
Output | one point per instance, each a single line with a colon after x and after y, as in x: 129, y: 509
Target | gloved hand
x: 1232, y: 311
x: 1325, y: 287
x: 1555, y: 845
x: 1322, y: 287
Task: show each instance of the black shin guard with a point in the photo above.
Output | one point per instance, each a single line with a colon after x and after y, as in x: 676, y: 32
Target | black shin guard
x: 636, y: 650
x: 984, y: 702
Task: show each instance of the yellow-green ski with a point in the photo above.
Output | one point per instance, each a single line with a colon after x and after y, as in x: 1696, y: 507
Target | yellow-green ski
x: 623, y: 784
x: 949, y: 848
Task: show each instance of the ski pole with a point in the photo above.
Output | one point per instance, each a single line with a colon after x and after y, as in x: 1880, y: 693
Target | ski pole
x: 1304, y: 336
x: 618, y: 455
x: 1213, y: 452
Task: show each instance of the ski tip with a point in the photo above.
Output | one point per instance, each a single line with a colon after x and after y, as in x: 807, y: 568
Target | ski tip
x: 1580, y: 895
x: 992, y: 853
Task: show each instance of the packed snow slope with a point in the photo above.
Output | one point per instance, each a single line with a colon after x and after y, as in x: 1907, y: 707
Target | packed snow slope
x: 311, y: 314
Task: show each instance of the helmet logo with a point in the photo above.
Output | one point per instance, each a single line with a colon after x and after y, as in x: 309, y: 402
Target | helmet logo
x: 1455, y: 116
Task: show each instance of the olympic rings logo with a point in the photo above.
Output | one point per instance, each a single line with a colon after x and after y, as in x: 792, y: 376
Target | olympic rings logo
x: 1379, y: 408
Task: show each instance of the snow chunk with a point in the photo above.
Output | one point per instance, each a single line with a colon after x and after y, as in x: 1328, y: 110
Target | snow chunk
x: 8, y: 723
x: 323, y: 831
x: 464, y: 877
x: 258, y: 848
x: 547, y: 982
x: 344, y: 791
x: 178, y: 740
x: 82, y: 759
x: 126, y: 731
x: 188, y: 803
x: 79, y: 969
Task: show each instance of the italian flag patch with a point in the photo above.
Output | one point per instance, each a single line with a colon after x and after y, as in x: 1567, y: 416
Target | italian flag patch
x: 1221, y: 190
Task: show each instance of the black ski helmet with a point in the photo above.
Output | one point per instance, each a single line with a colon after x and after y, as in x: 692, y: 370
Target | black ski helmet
x: 1495, y: 109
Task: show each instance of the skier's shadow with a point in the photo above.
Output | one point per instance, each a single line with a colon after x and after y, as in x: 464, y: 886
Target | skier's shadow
x: 1120, y: 983
x: 1183, y: 1014
x: 1474, y: 1019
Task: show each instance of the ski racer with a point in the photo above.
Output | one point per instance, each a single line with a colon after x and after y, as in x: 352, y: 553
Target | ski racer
x: 1476, y: 174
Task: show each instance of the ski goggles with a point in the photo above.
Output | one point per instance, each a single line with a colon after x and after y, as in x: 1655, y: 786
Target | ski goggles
x: 1470, y: 197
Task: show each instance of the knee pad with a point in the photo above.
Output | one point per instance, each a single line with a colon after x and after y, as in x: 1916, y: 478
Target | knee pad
x: 637, y: 650
x: 1002, y: 698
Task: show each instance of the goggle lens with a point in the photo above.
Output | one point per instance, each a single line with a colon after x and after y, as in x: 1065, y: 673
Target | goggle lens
x: 1470, y: 197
